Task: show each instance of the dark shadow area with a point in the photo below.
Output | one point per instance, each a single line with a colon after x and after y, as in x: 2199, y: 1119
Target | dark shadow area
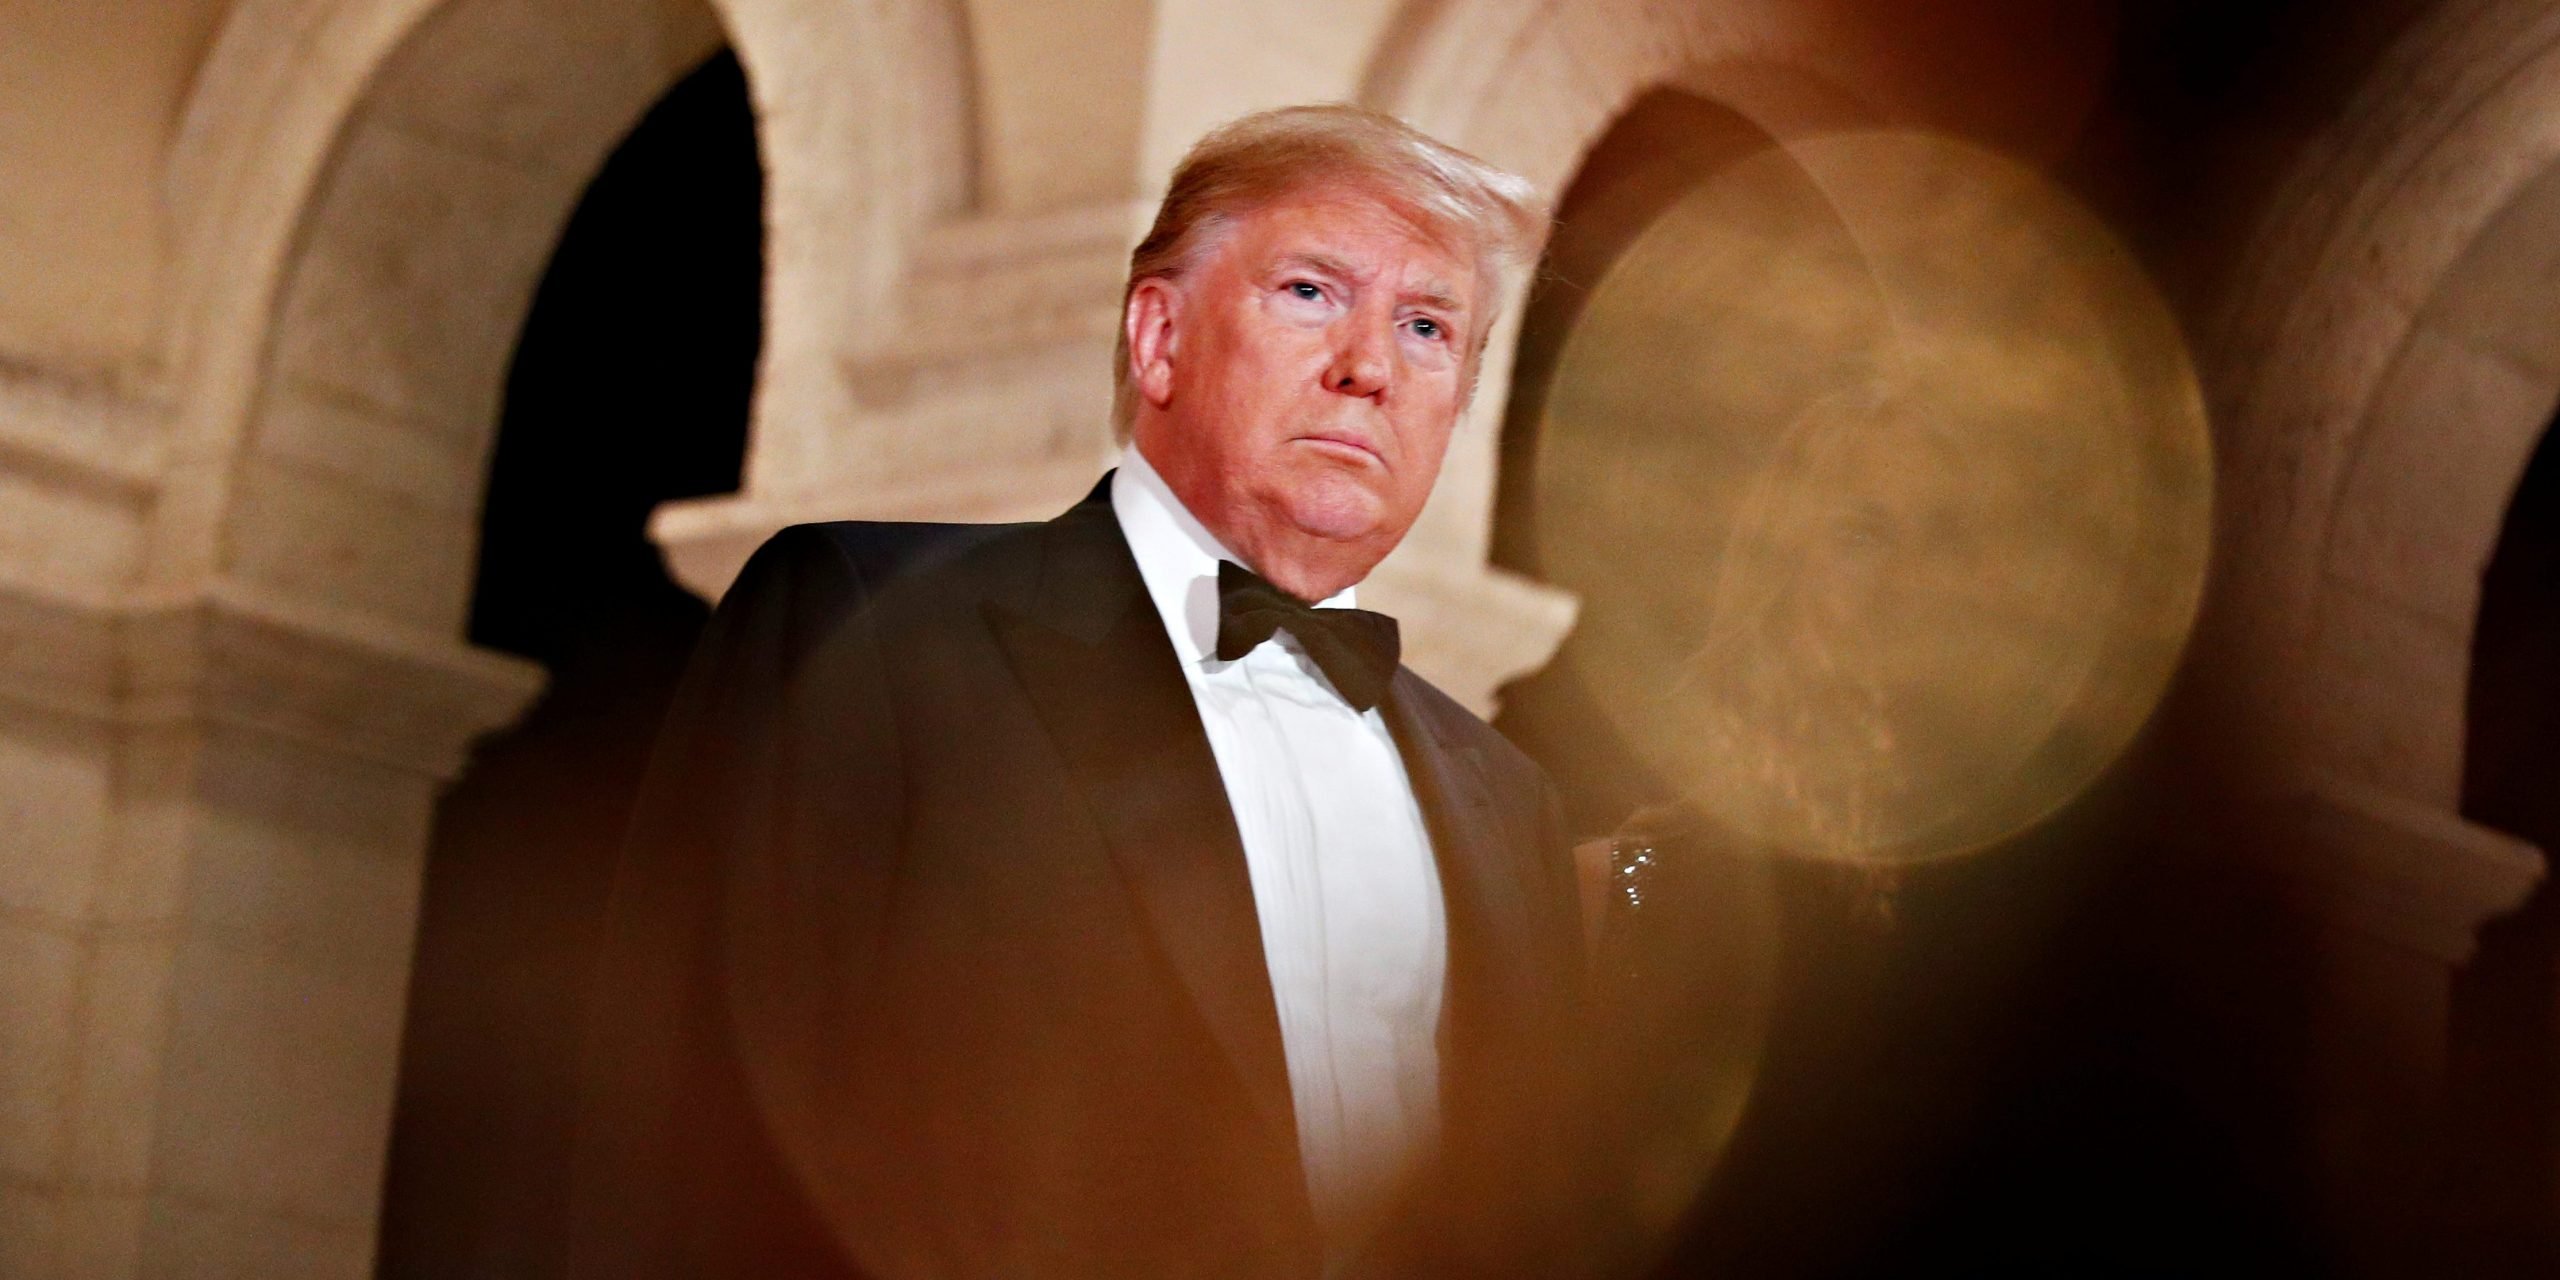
x: 2208, y: 105
x: 2077, y: 1053
x: 630, y: 386
x: 2506, y: 1003
x: 2034, y: 1061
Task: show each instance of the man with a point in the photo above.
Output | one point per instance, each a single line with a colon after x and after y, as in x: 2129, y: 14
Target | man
x: 1071, y: 899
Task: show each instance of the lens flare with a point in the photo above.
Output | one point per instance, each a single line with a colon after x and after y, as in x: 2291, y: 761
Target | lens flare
x: 1884, y: 472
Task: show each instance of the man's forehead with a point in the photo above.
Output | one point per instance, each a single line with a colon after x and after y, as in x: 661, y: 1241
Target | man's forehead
x: 1355, y: 235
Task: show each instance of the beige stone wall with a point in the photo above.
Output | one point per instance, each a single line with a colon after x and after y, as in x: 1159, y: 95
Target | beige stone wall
x: 55, y: 788
x: 89, y: 99
x: 1061, y: 95
x: 216, y: 812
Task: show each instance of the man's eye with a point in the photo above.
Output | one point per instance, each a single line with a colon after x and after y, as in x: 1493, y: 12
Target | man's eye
x: 1426, y: 327
x: 1303, y: 289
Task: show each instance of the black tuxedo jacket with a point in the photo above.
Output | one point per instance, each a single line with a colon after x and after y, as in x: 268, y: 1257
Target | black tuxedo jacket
x: 933, y: 952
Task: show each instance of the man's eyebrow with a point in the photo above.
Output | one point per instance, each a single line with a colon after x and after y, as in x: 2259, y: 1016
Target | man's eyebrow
x: 1437, y: 296
x: 1321, y: 264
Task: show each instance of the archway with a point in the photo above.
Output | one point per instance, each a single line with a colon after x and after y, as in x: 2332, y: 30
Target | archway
x: 363, y: 467
x: 630, y: 386
x: 2382, y: 364
x: 365, y: 193
x: 2506, y: 1002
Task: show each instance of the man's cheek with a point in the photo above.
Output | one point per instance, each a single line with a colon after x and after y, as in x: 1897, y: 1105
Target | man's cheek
x: 1431, y: 448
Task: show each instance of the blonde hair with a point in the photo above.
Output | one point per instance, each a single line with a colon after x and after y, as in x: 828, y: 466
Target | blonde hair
x: 1250, y: 162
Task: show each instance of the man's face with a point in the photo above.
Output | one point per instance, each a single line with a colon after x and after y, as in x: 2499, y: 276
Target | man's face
x: 1302, y: 379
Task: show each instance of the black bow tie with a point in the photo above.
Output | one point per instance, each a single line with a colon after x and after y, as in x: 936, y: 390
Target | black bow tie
x: 1355, y: 648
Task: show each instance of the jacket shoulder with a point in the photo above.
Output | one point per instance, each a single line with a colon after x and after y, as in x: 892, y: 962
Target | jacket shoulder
x: 807, y: 580
x: 873, y: 552
x: 1458, y: 725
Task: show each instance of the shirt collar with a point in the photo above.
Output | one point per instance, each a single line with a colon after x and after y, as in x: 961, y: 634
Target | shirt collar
x: 1178, y: 557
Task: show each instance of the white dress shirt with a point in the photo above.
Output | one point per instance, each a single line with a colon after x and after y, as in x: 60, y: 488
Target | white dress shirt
x: 1354, y: 930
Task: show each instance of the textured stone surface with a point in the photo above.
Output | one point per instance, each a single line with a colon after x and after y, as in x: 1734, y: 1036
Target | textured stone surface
x: 54, y: 802
x: 2390, y: 684
x: 143, y: 869
x: 1213, y: 61
x: 2363, y: 453
x: 2507, y: 299
x: 322, y: 537
x: 194, y: 1239
x: 204, y: 957
x: 39, y: 1002
x: 101, y: 1235
x: 88, y: 96
x: 65, y: 536
x: 119, y: 1058
x: 276, y: 1095
x: 2421, y: 504
x: 1059, y: 131
x: 485, y: 75
x: 30, y: 1231
x: 305, y: 854
x: 320, y: 428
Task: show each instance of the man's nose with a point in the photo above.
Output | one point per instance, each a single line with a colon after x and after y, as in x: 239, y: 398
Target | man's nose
x: 1361, y: 363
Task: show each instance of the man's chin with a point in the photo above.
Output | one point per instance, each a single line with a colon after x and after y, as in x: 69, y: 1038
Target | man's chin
x: 1337, y: 509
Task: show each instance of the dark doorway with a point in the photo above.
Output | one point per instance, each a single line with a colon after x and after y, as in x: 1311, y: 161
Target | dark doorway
x: 630, y: 386
x: 2506, y: 1010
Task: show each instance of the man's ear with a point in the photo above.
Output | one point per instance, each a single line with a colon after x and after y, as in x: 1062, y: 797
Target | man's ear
x: 1154, y: 306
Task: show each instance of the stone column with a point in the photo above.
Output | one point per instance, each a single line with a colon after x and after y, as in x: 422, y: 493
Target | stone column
x: 219, y: 807
x: 2395, y: 892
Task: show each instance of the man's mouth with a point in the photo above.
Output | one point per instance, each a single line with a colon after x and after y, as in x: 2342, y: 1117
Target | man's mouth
x: 1348, y: 446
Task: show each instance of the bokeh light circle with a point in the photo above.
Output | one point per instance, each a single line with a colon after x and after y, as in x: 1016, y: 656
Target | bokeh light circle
x: 1884, y: 471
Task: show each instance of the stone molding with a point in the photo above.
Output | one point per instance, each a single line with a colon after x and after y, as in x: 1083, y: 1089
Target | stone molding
x: 233, y: 656
x: 58, y: 653
x: 979, y: 291
x: 89, y: 439
x: 2404, y: 872
x: 990, y: 287
x: 706, y: 541
x: 982, y: 285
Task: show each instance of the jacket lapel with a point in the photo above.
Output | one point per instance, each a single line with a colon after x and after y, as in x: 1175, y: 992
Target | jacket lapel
x: 1486, y: 881
x: 1094, y: 658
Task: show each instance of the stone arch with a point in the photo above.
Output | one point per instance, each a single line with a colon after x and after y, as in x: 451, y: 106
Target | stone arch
x: 2379, y: 374
x: 357, y: 246
x: 1532, y: 85
x: 2378, y: 368
x: 1557, y: 76
x: 361, y: 464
